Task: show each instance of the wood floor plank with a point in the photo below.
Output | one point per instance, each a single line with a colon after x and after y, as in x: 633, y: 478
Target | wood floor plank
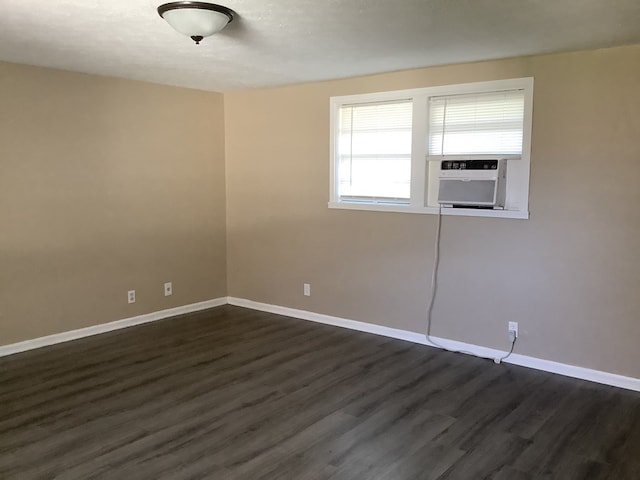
x: 232, y: 393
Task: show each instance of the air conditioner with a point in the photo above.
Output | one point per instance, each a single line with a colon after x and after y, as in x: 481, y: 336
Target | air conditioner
x: 472, y: 183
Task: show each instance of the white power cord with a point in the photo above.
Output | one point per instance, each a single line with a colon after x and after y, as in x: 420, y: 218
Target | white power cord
x: 514, y: 339
x: 432, y: 297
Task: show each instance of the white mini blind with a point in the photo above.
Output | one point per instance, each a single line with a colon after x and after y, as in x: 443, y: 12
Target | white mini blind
x: 374, y: 148
x: 477, y: 124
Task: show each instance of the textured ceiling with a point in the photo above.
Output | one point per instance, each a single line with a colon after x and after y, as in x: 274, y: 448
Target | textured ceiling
x: 277, y: 42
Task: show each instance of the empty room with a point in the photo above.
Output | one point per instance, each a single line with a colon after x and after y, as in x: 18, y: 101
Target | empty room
x: 320, y: 240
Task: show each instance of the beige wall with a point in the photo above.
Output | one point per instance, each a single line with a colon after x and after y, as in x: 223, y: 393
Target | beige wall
x: 106, y: 185
x: 569, y: 275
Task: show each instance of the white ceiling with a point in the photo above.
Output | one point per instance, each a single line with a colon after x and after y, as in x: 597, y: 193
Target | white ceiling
x: 277, y: 42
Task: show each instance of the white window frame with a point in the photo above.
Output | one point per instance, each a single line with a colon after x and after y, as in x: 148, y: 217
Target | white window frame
x: 424, y: 173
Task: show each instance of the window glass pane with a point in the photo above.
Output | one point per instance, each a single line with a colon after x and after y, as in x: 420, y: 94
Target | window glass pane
x: 486, y: 123
x: 374, y: 148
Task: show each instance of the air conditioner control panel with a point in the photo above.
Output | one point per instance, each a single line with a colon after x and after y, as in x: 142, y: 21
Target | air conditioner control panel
x: 469, y: 165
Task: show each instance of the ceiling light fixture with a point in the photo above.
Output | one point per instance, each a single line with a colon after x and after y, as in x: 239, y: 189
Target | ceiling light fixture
x: 196, y: 19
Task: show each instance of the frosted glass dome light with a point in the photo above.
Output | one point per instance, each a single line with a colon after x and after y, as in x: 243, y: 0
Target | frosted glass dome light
x: 196, y: 19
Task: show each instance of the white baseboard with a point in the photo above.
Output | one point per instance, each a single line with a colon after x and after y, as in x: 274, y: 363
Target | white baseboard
x: 107, y: 327
x: 597, y: 376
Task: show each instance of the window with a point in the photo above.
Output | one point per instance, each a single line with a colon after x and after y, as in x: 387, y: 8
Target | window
x: 374, y: 152
x: 479, y: 124
x: 388, y: 148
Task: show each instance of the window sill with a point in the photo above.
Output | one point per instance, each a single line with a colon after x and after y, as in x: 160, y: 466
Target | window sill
x: 465, y: 212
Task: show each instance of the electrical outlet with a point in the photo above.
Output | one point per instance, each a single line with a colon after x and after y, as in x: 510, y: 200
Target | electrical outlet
x: 513, y: 331
x: 168, y: 289
x: 307, y: 289
x: 131, y: 296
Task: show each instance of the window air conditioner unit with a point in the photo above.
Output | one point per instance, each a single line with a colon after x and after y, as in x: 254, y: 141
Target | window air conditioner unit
x: 472, y: 183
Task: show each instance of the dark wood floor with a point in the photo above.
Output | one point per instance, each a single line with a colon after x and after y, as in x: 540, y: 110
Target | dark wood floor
x: 235, y: 394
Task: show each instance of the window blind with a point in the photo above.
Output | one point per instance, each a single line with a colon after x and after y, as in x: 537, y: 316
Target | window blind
x: 477, y: 124
x: 374, y: 148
